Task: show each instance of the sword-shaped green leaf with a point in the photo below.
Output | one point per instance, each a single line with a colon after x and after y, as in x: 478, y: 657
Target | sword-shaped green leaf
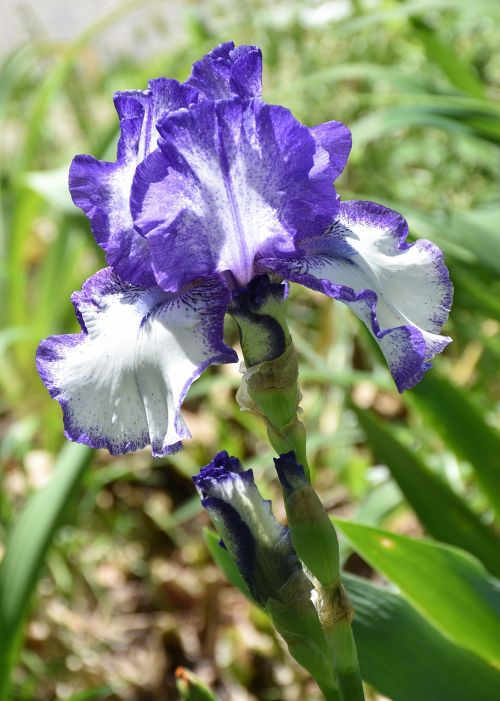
x: 449, y: 587
x: 442, y: 512
x: 405, y: 658
x: 26, y: 547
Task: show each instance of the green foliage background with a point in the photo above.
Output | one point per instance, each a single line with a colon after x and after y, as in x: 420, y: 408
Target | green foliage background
x: 128, y: 591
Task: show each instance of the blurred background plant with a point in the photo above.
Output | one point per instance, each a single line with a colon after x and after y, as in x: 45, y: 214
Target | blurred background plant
x: 128, y: 590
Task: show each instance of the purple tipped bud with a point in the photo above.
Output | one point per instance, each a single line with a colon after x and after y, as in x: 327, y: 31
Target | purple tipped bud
x: 258, y: 543
x: 290, y: 473
x: 312, y: 532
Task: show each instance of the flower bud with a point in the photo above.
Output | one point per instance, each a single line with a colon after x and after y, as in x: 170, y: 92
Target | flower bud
x: 312, y: 532
x: 191, y: 688
x: 263, y: 552
x: 257, y: 542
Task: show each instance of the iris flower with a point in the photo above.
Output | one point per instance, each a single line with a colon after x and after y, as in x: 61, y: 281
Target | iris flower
x: 211, y: 188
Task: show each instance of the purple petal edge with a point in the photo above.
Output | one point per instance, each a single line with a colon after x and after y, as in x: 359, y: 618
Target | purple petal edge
x: 53, y: 349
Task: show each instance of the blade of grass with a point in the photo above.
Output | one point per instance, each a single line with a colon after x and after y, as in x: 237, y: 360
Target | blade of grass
x: 460, y: 423
x: 27, y: 204
x: 458, y: 71
x: 26, y: 547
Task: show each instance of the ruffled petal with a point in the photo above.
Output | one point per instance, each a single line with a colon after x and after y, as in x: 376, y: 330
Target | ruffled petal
x: 228, y: 71
x: 141, y: 110
x: 121, y: 382
x: 102, y: 189
x: 229, y: 184
x: 401, y: 291
x: 334, y: 144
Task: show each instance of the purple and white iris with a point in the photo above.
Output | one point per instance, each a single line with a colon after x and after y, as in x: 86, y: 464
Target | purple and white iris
x: 211, y: 188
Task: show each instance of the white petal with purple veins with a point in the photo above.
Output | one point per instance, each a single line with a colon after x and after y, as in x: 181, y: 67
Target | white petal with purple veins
x: 121, y: 382
x: 401, y: 291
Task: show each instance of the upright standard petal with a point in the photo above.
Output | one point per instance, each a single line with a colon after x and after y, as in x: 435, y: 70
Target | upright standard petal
x: 228, y: 71
x: 401, y: 291
x: 230, y: 183
x: 121, y: 382
x: 102, y: 189
x: 333, y: 146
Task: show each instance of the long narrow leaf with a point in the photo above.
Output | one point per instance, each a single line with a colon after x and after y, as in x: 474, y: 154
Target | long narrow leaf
x: 26, y: 547
x: 441, y: 511
x: 406, y: 658
x: 458, y: 71
x: 449, y: 587
x: 462, y: 426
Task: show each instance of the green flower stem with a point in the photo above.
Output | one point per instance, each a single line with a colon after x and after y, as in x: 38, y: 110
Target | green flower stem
x: 345, y: 657
x: 307, y: 644
x: 269, y: 387
x: 271, y: 390
x: 336, y: 615
x: 316, y: 543
x: 292, y: 436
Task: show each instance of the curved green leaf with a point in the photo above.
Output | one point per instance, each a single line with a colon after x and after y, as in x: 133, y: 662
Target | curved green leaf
x: 449, y: 587
x: 441, y: 511
x: 462, y: 426
x: 406, y: 658
x: 26, y: 547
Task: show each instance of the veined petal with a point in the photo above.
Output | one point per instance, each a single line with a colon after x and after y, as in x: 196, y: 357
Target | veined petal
x: 401, y: 291
x: 334, y: 144
x: 260, y: 545
x: 228, y: 71
x: 102, y: 189
x: 141, y: 110
x: 121, y: 382
x: 229, y: 184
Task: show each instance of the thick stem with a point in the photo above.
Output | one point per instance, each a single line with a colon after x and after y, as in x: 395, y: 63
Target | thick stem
x: 290, y: 437
x: 338, y: 631
x: 345, y: 660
